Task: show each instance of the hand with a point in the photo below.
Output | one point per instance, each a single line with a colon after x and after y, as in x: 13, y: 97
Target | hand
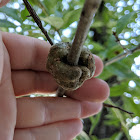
x: 23, y: 71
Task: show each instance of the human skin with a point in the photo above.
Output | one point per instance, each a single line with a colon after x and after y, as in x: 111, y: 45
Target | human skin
x: 22, y: 72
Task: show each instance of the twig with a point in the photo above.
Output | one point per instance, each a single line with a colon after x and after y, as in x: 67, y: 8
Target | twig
x: 118, y: 41
x: 112, y: 106
x: 89, y: 9
x: 37, y: 20
x: 120, y: 56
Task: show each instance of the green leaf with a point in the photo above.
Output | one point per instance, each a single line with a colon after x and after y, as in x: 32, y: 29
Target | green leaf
x: 82, y: 136
x: 118, y: 114
x: 56, y: 22
x: 97, y: 46
x: 123, y: 21
x: 111, y: 41
x: 131, y: 106
x: 105, y: 74
x: 113, y: 51
x: 7, y: 24
x: 70, y: 17
x: 121, y: 70
x: 24, y: 14
x: 50, y: 5
x: 13, y: 13
x: 116, y: 136
x: 94, y: 138
x: 118, y: 90
x: 94, y: 122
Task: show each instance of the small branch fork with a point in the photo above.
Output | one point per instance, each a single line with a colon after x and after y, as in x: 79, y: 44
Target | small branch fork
x: 90, y: 8
x: 122, y: 55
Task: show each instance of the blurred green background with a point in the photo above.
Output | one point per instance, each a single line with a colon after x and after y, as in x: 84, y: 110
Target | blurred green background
x: 60, y: 19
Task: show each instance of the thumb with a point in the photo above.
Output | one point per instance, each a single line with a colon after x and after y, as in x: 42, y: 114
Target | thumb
x: 7, y: 96
x: 3, y: 2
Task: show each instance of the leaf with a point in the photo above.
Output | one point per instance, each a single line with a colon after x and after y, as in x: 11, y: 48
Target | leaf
x: 123, y: 21
x: 70, y: 17
x: 113, y: 51
x: 117, y: 136
x: 7, y: 24
x: 24, y: 14
x: 13, y: 13
x: 118, y: 90
x: 56, y: 22
x: 94, y: 138
x: 111, y: 41
x: 105, y: 74
x: 118, y: 114
x: 121, y: 70
x: 50, y: 5
x: 82, y: 136
x: 94, y: 121
x: 97, y: 46
x: 131, y: 106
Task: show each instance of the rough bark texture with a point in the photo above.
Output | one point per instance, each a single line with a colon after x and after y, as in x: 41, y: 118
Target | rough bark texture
x: 89, y: 9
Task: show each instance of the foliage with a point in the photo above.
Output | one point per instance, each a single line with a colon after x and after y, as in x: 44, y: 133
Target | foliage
x: 60, y: 18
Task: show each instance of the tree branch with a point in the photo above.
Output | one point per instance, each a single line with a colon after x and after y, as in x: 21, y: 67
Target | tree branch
x: 89, y: 9
x: 118, y: 41
x: 37, y: 20
x: 112, y: 106
x: 120, y: 56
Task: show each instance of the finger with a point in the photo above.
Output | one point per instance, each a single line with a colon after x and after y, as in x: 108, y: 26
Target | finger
x: 7, y: 97
x: 25, y: 82
x: 26, y: 52
x: 94, y: 89
x: 3, y: 2
x: 99, y: 65
x: 34, y: 53
x: 32, y: 112
x: 65, y: 130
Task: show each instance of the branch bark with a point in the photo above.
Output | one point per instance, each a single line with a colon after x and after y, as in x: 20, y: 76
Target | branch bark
x: 123, y: 55
x: 112, y: 106
x: 89, y: 9
x: 37, y: 20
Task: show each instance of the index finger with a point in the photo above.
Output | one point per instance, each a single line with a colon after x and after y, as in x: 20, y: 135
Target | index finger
x: 26, y: 52
x: 31, y: 53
